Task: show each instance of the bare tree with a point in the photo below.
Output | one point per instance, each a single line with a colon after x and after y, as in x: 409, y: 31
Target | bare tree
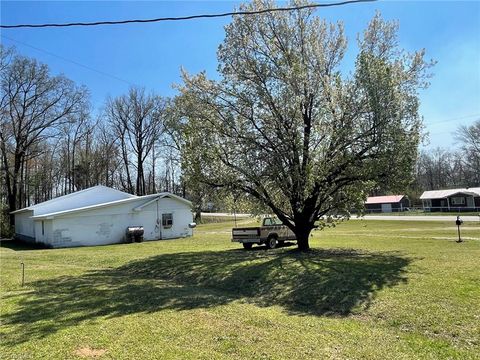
x: 107, y: 156
x: 137, y: 121
x: 469, y: 138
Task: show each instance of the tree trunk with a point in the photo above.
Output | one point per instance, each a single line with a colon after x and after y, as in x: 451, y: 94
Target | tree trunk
x: 302, y: 232
x: 8, y: 184
x: 73, y: 181
x: 198, y: 216
x: 154, y: 188
x: 140, y: 177
x: 13, y: 195
x: 125, y: 162
x: 21, y: 186
x: 11, y: 206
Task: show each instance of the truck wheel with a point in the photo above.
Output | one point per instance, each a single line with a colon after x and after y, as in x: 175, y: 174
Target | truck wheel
x: 247, y: 246
x: 271, y: 242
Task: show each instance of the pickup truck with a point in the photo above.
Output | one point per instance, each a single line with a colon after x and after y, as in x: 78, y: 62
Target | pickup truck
x: 271, y: 233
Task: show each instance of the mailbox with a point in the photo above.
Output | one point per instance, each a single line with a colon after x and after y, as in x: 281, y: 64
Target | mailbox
x: 459, y: 221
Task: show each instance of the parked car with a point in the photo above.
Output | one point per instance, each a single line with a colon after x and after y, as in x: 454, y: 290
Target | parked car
x: 271, y: 233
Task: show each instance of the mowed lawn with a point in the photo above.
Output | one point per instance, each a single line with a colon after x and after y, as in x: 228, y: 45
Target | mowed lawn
x: 369, y: 289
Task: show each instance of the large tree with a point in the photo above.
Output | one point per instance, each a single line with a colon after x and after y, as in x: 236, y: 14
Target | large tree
x: 284, y: 125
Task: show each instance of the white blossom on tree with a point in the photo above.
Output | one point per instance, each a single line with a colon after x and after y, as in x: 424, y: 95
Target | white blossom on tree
x: 286, y: 126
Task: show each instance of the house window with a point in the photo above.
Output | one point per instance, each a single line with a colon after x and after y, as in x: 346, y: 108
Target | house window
x: 458, y: 200
x: 43, y: 228
x: 167, y: 220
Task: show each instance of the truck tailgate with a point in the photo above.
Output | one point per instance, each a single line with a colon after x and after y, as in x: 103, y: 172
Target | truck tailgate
x: 246, y: 233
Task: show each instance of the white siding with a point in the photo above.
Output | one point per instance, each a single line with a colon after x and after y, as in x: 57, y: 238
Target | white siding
x: 107, y: 225
x: 24, y: 226
x: 182, y: 216
x: 42, y: 235
x: 89, y: 230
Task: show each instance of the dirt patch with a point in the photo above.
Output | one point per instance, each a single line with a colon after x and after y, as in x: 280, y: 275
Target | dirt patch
x: 454, y: 238
x: 88, y: 352
x: 449, y: 228
x: 407, y: 236
x: 214, y: 232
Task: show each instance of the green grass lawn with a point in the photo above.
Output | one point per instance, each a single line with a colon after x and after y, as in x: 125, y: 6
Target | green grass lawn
x: 369, y: 289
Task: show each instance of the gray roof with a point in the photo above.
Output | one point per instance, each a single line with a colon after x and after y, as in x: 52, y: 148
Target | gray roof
x: 442, y: 194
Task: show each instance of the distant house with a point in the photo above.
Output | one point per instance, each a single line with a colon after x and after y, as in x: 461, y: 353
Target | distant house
x: 464, y: 199
x: 100, y: 215
x: 387, y: 204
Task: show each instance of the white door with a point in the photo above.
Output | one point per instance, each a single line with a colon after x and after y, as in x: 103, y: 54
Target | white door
x: 386, y: 208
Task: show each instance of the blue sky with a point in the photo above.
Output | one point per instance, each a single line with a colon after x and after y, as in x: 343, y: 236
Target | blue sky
x: 108, y: 59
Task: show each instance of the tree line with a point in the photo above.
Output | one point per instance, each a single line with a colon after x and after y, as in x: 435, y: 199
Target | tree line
x: 443, y: 168
x: 51, y: 144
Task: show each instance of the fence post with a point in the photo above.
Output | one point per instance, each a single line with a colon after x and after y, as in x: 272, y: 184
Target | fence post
x: 23, y: 273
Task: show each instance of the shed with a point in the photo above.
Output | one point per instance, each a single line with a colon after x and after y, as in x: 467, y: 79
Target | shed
x: 100, y: 215
x: 387, y: 204
x: 461, y: 199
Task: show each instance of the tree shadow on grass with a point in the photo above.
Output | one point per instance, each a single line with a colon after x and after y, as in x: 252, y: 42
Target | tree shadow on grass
x: 321, y: 282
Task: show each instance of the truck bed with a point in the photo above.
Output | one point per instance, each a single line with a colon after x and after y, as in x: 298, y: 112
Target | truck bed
x: 246, y: 234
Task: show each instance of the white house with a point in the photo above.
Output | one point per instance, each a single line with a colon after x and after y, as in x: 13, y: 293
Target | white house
x: 100, y: 215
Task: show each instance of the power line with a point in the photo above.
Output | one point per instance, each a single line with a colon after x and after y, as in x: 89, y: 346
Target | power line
x: 455, y: 118
x: 190, y: 17
x: 68, y: 60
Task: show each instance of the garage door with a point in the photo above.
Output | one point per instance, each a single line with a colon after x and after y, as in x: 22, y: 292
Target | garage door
x: 386, y: 208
